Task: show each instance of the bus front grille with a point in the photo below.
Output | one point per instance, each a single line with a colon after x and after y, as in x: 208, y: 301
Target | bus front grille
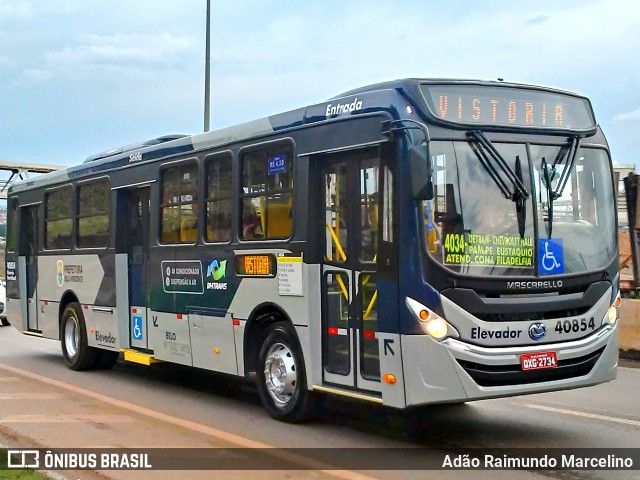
x: 503, y: 375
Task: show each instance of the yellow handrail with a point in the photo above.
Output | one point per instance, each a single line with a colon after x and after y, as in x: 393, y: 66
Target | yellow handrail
x: 371, y: 303
x: 337, y: 242
x: 341, y: 254
x: 365, y: 280
x: 343, y: 288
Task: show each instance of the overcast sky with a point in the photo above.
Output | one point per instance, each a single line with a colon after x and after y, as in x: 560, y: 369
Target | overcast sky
x: 79, y: 77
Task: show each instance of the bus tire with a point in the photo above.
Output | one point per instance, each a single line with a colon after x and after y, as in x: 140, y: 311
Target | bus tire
x: 281, y: 377
x: 73, y: 333
x: 4, y: 322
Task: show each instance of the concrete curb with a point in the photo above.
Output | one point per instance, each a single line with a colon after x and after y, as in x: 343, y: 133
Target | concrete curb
x: 630, y: 355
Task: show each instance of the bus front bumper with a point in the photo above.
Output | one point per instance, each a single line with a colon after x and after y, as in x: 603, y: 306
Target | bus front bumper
x: 453, y: 371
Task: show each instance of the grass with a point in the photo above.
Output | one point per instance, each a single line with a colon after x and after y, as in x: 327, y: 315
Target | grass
x: 21, y: 475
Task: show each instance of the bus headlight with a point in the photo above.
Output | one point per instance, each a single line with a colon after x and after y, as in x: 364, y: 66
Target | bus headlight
x: 437, y: 328
x: 431, y: 323
x: 613, y: 314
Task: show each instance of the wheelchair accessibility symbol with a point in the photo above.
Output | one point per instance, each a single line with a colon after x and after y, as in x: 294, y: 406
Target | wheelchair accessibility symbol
x: 137, y: 328
x: 550, y: 256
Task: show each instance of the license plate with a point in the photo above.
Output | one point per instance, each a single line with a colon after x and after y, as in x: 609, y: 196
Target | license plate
x: 538, y: 360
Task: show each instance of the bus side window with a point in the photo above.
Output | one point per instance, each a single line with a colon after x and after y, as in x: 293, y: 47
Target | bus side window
x: 267, y: 189
x: 178, y: 222
x: 93, y: 214
x: 58, y: 218
x: 219, y: 198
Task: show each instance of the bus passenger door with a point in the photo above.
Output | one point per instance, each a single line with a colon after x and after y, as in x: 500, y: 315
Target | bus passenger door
x: 28, y: 245
x: 138, y: 253
x: 349, y: 209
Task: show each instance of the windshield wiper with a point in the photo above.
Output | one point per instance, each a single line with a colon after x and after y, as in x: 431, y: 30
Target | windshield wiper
x: 549, y: 174
x: 521, y: 201
x: 564, y: 177
x: 547, y: 178
x: 486, y: 152
x: 490, y: 157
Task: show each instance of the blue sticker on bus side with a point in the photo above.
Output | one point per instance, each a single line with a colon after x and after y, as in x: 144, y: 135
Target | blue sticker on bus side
x: 277, y: 164
x: 136, y: 327
x: 550, y: 256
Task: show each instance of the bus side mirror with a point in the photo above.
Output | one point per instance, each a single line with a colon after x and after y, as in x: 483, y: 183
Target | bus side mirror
x: 421, y: 172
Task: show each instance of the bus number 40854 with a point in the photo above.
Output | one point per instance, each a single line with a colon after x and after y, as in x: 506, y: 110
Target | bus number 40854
x: 575, y: 325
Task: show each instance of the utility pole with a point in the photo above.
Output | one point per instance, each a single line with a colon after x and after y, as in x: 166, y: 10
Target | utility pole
x: 207, y: 70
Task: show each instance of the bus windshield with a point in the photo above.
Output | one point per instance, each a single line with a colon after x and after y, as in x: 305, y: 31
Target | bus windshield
x: 470, y: 227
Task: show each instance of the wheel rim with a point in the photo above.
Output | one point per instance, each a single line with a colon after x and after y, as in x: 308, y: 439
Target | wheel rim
x: 280, y: 373
x: 71, y: 336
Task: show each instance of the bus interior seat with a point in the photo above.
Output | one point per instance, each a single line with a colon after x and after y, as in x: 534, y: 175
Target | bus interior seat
x: 277, y: 218
x: 189, y: 229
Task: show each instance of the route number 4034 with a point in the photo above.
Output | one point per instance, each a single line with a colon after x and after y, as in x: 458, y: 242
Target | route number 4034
x: 454, y: 243
x: 575, y: 325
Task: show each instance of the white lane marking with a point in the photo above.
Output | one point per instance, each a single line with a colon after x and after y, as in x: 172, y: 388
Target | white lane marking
x: 106, y: 419
x: 9, y: 379
x: 30, y: 396
x: 595, y: 416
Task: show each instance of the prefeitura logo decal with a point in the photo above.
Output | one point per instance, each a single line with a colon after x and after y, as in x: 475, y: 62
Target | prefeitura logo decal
x: 60, y: 278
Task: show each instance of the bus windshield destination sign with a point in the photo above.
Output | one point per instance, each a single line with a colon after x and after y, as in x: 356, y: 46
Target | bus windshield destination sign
x: 488, y: 250
x: 486, y: 105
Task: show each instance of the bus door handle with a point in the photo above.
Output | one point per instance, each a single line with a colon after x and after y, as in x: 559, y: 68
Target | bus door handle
x: 102, y: 309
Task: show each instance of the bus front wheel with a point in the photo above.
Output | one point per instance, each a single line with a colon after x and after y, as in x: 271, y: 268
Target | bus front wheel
x: 73, y: 332
x: 281, y: 378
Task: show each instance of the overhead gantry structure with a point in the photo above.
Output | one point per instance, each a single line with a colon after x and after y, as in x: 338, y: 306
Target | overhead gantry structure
x: 20, y: 171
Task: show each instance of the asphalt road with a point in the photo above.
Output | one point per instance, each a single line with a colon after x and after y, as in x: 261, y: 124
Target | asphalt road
x: 169, y: 405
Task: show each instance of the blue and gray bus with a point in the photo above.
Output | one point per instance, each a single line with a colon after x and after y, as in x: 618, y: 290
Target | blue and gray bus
x: 413, y: 242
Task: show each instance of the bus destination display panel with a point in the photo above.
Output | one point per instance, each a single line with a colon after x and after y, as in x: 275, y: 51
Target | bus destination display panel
x: 508, y: 106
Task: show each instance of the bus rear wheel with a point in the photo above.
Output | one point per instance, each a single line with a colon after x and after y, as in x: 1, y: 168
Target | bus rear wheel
x: 75, y: 347
x: 281, y: 378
